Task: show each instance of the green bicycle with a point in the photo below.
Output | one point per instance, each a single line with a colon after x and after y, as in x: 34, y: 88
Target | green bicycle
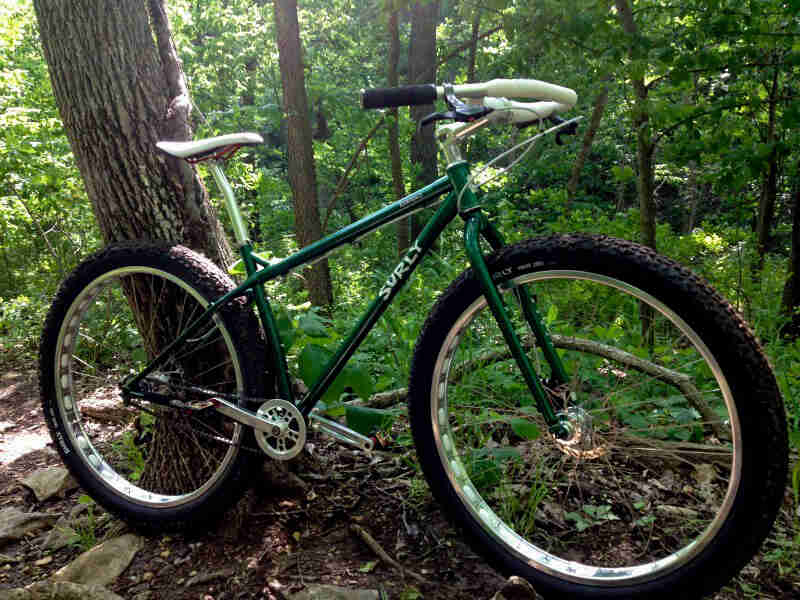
x: 592, y: 415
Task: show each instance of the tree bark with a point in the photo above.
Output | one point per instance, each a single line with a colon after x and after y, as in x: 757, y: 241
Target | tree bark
x: 404, y: 225
x: 422, y: 69
x: 119, y: 88
x: 302, y: 171
x: 594, y: 123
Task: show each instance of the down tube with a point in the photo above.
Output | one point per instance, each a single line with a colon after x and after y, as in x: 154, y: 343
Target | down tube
x: 401, y: 273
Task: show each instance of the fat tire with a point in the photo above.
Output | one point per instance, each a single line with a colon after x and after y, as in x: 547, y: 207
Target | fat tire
x: 755, y: 392
x: 239, y: 320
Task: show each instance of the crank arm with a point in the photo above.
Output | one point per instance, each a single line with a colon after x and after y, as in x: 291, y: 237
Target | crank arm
x: 340, y: 432
x: 242, y: 415
x: 213, y: 400
x: 225, y: 407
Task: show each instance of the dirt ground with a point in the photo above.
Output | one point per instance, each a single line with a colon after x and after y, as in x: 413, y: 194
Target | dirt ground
x: 280, y: 539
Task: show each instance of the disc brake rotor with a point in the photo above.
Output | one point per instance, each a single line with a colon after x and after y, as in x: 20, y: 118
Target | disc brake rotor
x: 287, y: 434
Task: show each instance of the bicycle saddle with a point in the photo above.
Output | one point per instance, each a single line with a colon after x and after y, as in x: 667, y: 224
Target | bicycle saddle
x: 222, y: 146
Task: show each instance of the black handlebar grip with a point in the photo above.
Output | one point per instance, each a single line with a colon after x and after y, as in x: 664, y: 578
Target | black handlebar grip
x: 409, y: 95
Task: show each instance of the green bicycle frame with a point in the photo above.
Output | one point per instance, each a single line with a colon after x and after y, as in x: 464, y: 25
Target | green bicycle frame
x: 459, y: 199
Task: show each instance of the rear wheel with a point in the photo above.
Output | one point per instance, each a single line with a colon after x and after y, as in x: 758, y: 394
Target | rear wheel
x: 675, y: 464
x: 148, y: 463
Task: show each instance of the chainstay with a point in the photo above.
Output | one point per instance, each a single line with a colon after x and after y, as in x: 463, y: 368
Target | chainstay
x: 175, y: 411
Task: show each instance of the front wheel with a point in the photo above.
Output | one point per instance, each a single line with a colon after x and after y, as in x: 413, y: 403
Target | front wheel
x: 674, y: 466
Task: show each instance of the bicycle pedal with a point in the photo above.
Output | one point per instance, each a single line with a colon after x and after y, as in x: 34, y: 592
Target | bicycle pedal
x: 202, y: 404
x: 195, y: 406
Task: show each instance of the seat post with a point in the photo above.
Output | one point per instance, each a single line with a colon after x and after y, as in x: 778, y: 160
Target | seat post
x: 239, y: 226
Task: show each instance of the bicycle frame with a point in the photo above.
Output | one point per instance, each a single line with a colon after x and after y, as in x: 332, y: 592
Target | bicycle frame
x: 460, y: 199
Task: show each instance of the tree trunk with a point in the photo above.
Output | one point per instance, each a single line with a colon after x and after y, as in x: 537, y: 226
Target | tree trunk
x: 790, y: 302
x: 594, y: 123
x: 647, y: 205
x: 302, y: 173
x: 473, y: 47
x: 120, y: 88
x: 404, y: 225
x: 692, y: 191
x: 645, y: 147
x: 422, y: 69
x: 766, y: 205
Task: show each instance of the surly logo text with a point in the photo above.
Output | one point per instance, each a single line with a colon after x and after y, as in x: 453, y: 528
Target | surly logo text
x: 409, y: 260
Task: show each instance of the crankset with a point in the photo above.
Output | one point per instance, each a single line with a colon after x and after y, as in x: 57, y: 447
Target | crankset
x: 286, y: 435
x: 278, y: 425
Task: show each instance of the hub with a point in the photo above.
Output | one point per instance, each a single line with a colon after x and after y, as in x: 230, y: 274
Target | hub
x: 579, y: 441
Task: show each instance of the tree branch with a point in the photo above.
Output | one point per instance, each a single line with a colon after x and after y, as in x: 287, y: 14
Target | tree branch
x: 382, y: 554
x: 460, y: 48
x: 679, y: 380
x: 353, y: 159
x: 667, y: 130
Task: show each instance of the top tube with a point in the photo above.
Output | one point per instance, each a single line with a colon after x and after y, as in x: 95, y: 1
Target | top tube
x: 423, y: 198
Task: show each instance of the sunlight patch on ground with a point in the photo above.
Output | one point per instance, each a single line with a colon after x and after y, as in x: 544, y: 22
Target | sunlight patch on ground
x: 15, y: 445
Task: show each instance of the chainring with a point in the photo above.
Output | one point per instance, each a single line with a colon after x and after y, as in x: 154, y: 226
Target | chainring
x: 287, y: 436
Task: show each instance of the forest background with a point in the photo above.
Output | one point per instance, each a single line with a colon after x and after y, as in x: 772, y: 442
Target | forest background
x: 692, y: 106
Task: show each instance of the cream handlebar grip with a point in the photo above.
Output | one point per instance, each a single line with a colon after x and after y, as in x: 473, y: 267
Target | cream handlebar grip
x: 515, y: 88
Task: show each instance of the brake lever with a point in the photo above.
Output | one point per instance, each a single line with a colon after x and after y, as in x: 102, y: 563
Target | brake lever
x: 459, y: 112
x: 437, y: 116
x: 462, y: 114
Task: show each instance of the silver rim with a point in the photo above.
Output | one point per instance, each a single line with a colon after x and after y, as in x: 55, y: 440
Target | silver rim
x: 561, y: 531
x: 101, y: 429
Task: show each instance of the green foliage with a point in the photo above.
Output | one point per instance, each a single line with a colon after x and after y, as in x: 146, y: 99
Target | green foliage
x: 127, y: 447
x: 46, y: 224
x: 312, y: 361
x: 85, y: 532
x: 591, y: 515
x: 525, y: 429
x: 368, y: 421
x: 410, y: 593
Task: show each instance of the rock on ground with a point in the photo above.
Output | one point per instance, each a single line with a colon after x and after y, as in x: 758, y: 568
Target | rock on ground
x: 332, y: 592
x: 46, y: 483
x: 64, y: 531
x: 15, y: 524
x: 61, y: 590
x: 102, y: 564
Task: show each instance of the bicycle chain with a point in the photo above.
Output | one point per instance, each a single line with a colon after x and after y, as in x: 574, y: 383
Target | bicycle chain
x: 197, y: 431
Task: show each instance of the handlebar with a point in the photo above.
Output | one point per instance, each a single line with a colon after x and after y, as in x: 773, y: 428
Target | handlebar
x: 508, y: 88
